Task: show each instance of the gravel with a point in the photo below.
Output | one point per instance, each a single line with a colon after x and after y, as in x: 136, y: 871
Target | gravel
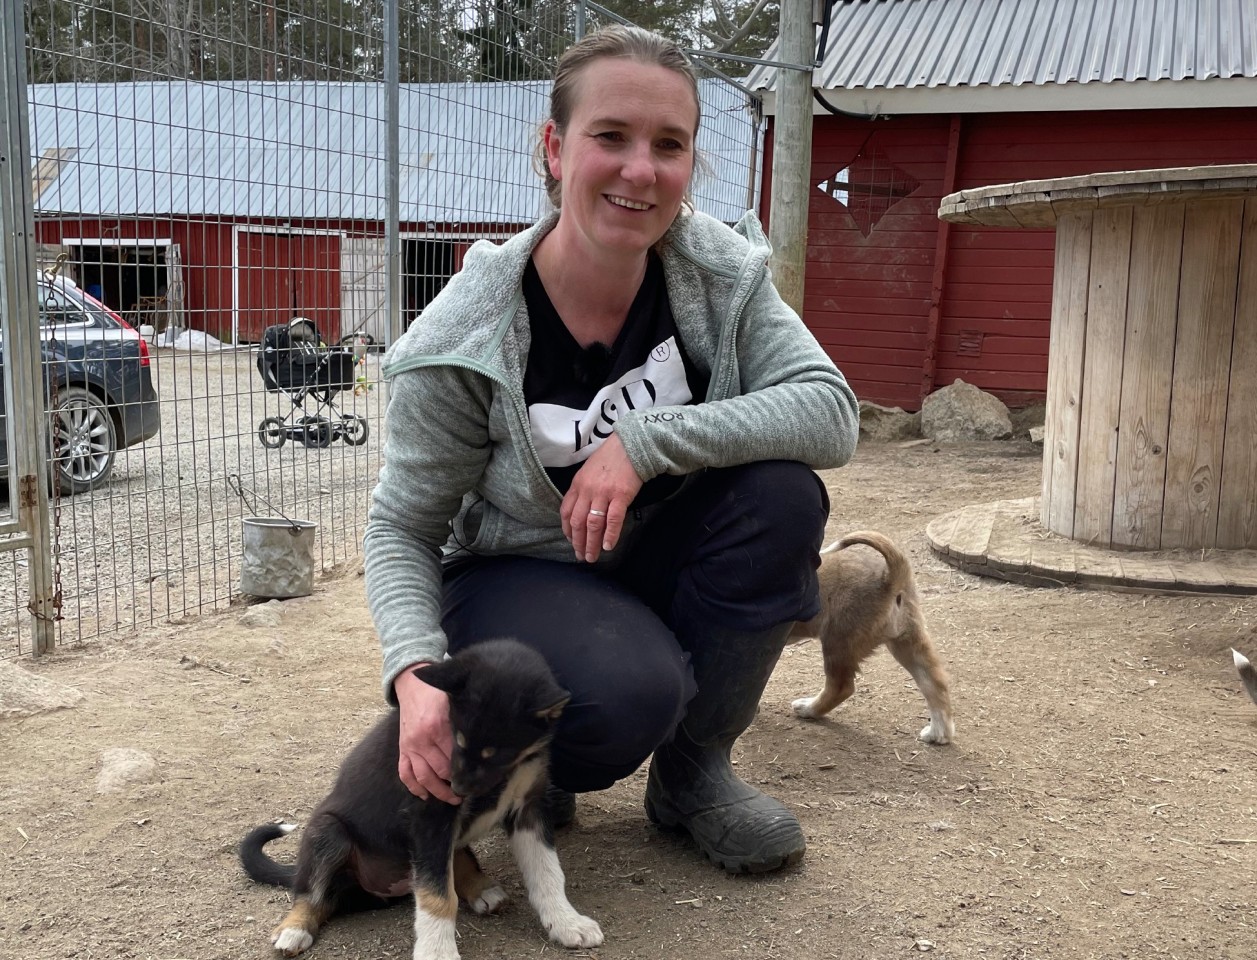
x: 161, y: 540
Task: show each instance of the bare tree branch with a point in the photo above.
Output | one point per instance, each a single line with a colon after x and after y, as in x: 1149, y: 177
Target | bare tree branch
x: 725, y: 40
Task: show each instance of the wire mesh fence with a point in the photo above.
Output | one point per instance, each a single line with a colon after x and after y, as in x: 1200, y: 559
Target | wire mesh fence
x: 206, y: 174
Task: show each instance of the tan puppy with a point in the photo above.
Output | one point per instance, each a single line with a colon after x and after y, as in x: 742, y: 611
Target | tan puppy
x: 868, y: 600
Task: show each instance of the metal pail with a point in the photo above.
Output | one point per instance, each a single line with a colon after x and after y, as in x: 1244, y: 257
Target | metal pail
x: 278, y: 557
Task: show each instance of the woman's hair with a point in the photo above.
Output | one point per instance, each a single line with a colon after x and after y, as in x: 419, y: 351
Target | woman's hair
x: 631, y: 43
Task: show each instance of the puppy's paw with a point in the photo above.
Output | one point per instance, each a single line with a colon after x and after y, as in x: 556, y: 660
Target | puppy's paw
x: 574, y: 930
x: 291, y: 941
x: 489, y: 900
x: 435, y: 938
x: 422, y: 952
x: 804, y: 707
x: 938, y: 732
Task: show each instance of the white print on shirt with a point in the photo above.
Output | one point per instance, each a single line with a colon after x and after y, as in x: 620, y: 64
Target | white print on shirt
x: 565, y: 435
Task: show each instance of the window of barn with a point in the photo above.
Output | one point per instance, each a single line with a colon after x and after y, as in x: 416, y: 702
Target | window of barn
x: 868, y: 187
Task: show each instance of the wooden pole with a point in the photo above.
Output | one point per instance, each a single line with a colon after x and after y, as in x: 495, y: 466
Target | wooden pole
x: 791, y: 184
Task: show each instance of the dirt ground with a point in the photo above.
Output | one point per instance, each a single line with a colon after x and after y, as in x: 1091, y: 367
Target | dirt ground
x: 1100, y: 799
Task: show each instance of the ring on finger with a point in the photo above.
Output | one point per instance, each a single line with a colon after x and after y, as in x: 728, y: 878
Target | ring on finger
x: 597, y: 513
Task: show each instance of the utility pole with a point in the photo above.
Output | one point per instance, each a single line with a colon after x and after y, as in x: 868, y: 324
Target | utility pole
x: 791, y: 184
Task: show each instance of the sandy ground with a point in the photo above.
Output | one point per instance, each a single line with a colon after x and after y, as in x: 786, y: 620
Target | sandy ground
x: 1099, y: 801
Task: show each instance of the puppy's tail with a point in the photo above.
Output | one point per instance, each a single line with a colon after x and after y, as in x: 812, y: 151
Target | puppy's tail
x: 898, y: 569
x: 1248, y: 673
x: 260, y: 867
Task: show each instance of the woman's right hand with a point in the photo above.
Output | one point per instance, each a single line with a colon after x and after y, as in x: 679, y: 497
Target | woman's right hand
x: 426, y: 739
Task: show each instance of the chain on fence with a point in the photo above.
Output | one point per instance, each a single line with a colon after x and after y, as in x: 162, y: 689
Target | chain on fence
x: 220, y: 178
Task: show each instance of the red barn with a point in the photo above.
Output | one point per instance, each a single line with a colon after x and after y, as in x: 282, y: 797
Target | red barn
x: 916, y: 99
x: 228, y: 207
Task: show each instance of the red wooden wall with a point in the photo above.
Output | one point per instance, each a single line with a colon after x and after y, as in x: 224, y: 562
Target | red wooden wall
x: 868, y: 298
x: 205, y: 247
x: 297, y: 272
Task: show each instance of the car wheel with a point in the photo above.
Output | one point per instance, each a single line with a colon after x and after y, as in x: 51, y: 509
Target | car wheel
x: 317, y: 432
x: 86, y: 442
x: 272, y: 432
x: 355, y: 430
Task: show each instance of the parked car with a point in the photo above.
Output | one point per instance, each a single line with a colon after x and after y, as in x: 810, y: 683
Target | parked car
x: 104, y: 395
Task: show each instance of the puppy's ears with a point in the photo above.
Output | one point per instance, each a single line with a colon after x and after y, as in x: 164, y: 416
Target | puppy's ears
x: 551, y: 713
x: 447, y: 675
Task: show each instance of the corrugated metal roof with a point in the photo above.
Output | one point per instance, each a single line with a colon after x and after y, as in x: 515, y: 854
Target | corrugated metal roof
x: 316, y: 150
x: 889, y: 44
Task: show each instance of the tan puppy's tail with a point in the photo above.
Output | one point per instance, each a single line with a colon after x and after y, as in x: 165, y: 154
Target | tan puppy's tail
x: 1248, y: 673
x: 897, y: 566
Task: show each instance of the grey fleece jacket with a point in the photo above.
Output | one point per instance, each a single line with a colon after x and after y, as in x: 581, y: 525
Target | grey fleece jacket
x: 460, y: 472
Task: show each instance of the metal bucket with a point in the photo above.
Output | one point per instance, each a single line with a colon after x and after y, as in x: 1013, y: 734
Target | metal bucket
x: 278, y: 557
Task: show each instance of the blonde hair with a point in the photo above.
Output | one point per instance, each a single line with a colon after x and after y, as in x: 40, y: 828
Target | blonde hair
x: 618, y: 41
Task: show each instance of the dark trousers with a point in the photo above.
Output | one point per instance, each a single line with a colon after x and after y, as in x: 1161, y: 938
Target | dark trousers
x: 737, y: 548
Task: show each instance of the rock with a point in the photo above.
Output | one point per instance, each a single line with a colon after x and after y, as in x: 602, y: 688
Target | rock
x: 262, y: 614
x: 887, y: 424
x: 24, y: 694
x: 1036, y: 435
x: 120, y: 766
x: 963, y: 412
x: 1026, y: 419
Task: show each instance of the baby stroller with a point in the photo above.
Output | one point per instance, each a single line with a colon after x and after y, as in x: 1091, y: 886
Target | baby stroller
x: 293, y: 361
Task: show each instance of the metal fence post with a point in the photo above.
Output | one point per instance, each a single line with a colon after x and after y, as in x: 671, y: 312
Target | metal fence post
x: 28, y: 462
x: 392, y: 163
x: 392, y: 191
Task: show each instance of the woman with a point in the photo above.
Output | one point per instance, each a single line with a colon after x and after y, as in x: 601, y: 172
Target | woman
x: 599, y: 441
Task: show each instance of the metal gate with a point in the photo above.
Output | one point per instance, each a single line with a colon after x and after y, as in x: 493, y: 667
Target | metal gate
x: 207, y: 170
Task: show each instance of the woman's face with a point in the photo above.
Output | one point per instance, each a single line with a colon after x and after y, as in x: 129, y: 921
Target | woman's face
x: 626, y: 156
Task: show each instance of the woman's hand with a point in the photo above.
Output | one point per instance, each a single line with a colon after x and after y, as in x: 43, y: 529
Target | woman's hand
x: 426, y: 740
x: 599, y: 497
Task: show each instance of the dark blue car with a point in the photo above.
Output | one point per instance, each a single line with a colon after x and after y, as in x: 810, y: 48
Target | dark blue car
x: 97, y: 369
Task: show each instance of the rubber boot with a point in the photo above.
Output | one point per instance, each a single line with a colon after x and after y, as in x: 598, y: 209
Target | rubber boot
x: 692, y: 786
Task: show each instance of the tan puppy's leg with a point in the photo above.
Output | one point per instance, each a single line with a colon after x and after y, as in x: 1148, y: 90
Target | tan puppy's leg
x: 471, y: 884
x: 839, y: 681
x: 915, y: 652
x: 296, y: 932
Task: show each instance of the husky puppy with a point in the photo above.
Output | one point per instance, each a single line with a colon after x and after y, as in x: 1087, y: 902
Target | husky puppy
x: 371, y: 840
x: 869, y: 600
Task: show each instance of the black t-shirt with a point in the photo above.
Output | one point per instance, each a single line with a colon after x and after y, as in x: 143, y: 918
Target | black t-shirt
x: 575, y: 395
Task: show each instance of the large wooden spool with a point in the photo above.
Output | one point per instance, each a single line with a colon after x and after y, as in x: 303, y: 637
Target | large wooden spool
x: 1151, y: 433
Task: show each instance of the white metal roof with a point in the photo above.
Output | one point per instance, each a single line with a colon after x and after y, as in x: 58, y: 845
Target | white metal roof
x: 316, y: 150
x: 928, y: 56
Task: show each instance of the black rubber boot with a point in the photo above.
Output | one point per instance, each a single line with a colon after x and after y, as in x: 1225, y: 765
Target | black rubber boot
x: 692, y: 785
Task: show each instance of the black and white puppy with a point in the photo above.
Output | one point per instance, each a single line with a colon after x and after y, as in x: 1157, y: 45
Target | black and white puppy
x: 371, y: 840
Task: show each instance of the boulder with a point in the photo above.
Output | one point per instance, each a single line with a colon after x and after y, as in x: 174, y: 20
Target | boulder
x: 120, y: 766
x: 24, y: 694
x: 1025, y: 419
x: 962, y: 412
x: 887, y: 424
x: 262, y: 614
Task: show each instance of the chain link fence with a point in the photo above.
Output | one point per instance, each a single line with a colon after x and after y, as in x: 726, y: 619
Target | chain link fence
x: 205, y: 174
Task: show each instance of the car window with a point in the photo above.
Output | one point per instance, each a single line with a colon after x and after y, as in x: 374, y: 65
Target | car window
x: 58, y: 310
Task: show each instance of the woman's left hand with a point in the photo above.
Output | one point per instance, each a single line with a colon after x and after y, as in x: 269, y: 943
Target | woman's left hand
x: 599, y: 497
